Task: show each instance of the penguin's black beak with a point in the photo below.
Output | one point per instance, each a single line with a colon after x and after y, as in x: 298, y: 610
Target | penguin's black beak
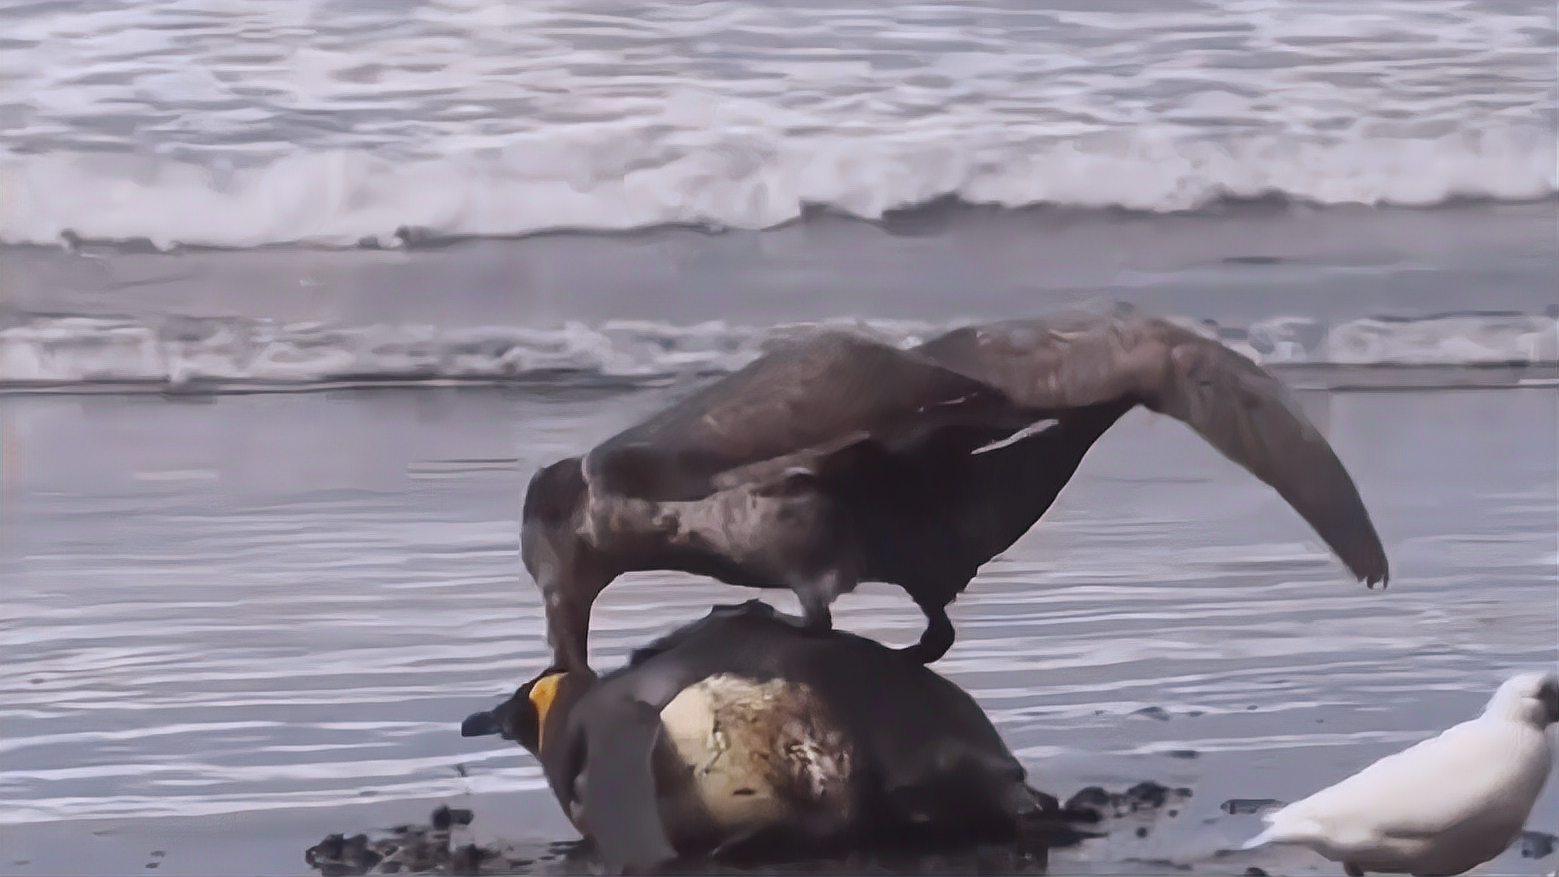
x: 482, y: 724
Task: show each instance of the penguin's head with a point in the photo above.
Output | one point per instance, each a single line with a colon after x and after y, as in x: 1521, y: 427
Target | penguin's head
x: 1529, y: 697
x: 526, y: 718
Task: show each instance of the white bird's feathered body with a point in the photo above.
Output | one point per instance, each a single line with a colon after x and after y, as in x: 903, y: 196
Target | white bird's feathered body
x: 1442, y: 806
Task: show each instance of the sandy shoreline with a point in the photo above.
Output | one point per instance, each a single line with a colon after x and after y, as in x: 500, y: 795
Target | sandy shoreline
x: 218, y: 603
x: 283, y: 843
x: 256, y: 842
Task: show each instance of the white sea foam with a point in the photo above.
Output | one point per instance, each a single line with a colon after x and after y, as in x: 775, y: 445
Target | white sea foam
x: 757, y: 180
x: 77, y: 351
x: 1452, y: 339
x: 329, y: 124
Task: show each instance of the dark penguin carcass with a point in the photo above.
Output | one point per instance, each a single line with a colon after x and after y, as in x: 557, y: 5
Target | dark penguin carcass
x: 742, y: 733
x: 838, y: 459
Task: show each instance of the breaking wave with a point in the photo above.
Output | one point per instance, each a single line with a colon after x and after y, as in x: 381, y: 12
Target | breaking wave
x: 61, y: 352
x: 355, y: 198
x: 334, y: 124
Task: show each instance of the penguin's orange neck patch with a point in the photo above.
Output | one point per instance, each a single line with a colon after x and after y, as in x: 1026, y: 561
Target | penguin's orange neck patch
x: 542, y: 695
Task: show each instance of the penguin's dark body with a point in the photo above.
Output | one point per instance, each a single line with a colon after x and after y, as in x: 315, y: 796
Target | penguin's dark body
x: 851, y: 743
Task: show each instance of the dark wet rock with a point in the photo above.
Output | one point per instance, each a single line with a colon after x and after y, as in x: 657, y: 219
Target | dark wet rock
x: 442, y: 846
x: 1142, y: 831
x: 1186, y: 754
x: 1147, y: 794
x: 1088, y: 797
x: 1247, y: 806
x: 1049, y: 826
x: 1157, y: 713
x: 467, y: 860
x: 1254, y: 871
x: 446, y: 817
x: 407, y: 849
x: 1083, y: 815
x: 1537, y: 845
x: 1143, y: 798
x: 329, y: 848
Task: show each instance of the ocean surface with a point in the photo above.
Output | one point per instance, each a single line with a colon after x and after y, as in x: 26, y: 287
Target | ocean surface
x: 484, y: 191
x: 295, y: 295
x: 259, y: 122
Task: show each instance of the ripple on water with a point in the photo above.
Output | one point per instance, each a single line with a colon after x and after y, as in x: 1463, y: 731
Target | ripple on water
x: 222, y: 650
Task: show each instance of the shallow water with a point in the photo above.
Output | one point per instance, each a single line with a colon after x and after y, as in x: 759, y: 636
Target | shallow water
x: 265, y: 615
x: 1287, y: 285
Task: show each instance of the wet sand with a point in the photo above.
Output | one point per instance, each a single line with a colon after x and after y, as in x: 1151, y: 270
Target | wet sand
x: 236, y: 624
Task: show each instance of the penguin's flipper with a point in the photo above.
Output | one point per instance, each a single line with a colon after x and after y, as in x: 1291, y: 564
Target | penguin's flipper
x: 619, y: 788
